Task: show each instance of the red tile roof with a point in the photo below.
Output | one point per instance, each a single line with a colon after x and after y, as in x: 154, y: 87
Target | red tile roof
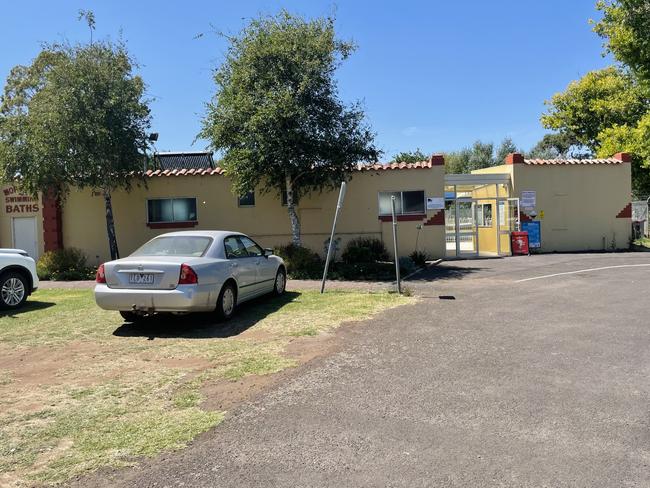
x: 367, y: 167
x: 185, y: 172
x: 538, y: 162
x: 402, y: 165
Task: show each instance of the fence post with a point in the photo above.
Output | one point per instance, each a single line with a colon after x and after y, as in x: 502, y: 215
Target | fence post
x: 399, y: 284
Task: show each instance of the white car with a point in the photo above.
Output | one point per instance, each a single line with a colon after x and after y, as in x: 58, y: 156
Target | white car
x: 18, y: 278
x: 194, y: 271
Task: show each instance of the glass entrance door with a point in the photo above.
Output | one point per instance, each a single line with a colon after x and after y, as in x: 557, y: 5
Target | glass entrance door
x: 466, y: 227
x: 508, y: 221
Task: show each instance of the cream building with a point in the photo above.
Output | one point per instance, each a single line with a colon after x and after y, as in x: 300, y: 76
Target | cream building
x: 581, y: 205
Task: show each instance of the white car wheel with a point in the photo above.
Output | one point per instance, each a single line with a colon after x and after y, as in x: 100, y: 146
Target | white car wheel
x: 13, y: 290
x: 280, y: 282
x: 227, y: 301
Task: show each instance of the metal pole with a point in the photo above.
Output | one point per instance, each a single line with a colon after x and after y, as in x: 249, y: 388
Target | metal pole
x: 331, y: 244
x: 647, y: 218
x: 399, y: 283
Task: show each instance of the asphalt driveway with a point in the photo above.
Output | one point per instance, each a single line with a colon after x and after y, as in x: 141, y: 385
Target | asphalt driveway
x: 486, y: 381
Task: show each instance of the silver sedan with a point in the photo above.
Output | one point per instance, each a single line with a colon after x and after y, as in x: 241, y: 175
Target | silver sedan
x: 194, y: 271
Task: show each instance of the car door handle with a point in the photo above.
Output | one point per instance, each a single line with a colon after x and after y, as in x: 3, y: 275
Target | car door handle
x: 234, y: 265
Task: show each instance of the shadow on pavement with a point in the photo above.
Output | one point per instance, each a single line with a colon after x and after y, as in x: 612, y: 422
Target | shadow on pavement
x: 205, y: 325
x: 29, y: 306
x: 444, y: 271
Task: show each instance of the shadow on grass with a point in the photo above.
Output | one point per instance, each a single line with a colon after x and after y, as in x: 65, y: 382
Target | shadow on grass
x: 206, y: 325
x: 29, y: 306
x: 444, y: 271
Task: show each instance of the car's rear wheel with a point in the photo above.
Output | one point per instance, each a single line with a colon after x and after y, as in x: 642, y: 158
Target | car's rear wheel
x: 280, y: 282
x: 131, y: 316
x: 227, y: 301
x: 13, y: 290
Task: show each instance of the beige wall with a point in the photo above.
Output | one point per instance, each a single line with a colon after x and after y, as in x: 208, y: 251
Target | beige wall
x: 84, y: 223
x: 16, y: 204
x: 579, y: 203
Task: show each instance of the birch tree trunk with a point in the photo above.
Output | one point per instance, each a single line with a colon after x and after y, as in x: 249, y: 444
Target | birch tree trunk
x: 293, y: 215
x: 110, y: 226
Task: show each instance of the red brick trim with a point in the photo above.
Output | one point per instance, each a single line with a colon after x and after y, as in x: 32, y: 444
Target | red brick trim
x: 626, y: 213
x: 514, y: 158
x: 403, y: 218
x: 172, y: 225
x: 623, y: 157
x: 437, y: 218
x: 52, y: 228
x: 437, y: 160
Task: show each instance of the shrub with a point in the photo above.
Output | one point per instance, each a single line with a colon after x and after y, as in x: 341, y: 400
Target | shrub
x: 406, y: 265
x: 302, y: 263
x: 364, y: 250
x: 419, y: 258
x: 64, y: 264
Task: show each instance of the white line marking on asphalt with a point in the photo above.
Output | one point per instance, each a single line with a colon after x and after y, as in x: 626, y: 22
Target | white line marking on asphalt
x: 582, y: 271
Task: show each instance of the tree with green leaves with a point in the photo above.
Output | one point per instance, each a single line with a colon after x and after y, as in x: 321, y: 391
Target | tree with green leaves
x: 625, y: 28
x: 506, y: 147
x: 557, y: 145
x: 75, y: 117
x: 410, y: 156
x: 277, y: 116
x: 608, y: 110
x: 600, y: 99
x: 479, y: 155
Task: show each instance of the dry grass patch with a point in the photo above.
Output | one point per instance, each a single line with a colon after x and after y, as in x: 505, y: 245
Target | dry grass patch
x: 81, y: 390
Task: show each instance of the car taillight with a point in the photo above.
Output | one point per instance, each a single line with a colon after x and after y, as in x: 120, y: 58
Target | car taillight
x: 100, y: 277
x: 188, y: 276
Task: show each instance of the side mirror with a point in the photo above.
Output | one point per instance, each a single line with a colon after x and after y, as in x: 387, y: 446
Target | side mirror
x: 268, y: 252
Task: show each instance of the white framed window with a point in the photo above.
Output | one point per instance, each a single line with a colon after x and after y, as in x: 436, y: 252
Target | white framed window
x: 163, y: 210
x: 246, y: 200
x: 502, y: 214
x: 484, y: 214
x: 406, y: 202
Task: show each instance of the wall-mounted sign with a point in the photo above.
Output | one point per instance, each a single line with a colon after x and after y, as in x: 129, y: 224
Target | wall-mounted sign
x: 534, y: 230
x: 528, y: 199
x: 19, y: 203
x: 435, y: 203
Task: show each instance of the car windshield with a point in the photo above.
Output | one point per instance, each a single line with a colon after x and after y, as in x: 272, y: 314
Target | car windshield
x: 195, y: 246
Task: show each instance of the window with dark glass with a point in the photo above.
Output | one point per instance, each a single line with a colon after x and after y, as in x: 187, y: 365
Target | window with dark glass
x: 247, y: 200
x: 252, y: 248
x: 162, y: 210
x: 406, y: 202
x: 234, y: 248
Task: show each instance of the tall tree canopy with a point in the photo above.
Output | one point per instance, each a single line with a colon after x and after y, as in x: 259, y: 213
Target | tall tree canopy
x: 410, y: 156
x: 477, y: 156
x: 625, y: 28
x: 608, y: 110
x: 74, y: 117
x: 600, y: 99
x: 277, y: 115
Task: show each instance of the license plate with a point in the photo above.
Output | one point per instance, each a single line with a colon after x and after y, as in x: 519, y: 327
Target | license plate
x: 141, y: 279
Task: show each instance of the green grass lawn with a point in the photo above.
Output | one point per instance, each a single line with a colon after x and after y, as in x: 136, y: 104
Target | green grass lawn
x: 80, y: 390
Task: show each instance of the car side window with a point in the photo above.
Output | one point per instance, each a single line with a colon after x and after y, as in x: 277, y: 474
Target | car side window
x: 252, y: 248
x: 234, y: 248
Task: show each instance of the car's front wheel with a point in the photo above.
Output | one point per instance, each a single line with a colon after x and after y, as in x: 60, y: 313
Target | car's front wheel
x: 227, y: 301
x: 280, y: 282
x: 13, y: 290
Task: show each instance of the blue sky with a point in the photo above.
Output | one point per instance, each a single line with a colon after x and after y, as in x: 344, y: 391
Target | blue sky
x: 431, y: 74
